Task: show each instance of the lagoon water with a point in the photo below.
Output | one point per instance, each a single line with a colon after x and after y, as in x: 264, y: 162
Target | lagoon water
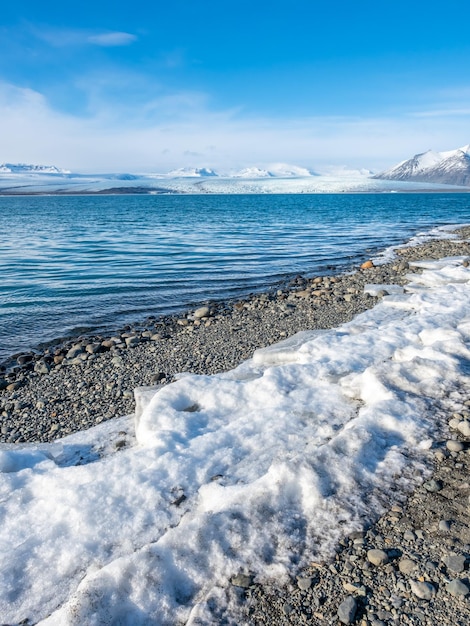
x: 80, y: 264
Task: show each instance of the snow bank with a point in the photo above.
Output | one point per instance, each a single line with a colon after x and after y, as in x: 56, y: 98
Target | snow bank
x: 254, y: 471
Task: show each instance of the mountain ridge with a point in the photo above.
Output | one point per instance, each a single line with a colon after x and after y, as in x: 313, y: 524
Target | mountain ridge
x: 451, y: 167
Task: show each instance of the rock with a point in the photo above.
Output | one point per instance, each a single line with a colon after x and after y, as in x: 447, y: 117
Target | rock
x: 24, y: 359
x: 444, y: 525
x: 406, y: 566
x: 457, y: 588
x: 377, y: 557
x: 356, y: 589
x: 287, y: 608
x: 304, y: 583
x: 132, y: 341
x: 157, y: 377
x: 13, y: 386
x: 3, y: 384
x: 367, y: 265
x: 440, y: 455
x: 347, y: 610
x: 41, y: 367
x: 93, y: 348
x: 422, y: 590
x: 464, y: 428
x: 433, y: 485
x: 305, y: 293
x: 455, y: 562
x: 75, y: 351
x: 242, y: 580
x: 203, y: 311
x: 107, y: 344
x: 454, y: 445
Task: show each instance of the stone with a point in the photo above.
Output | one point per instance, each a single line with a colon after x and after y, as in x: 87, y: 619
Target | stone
x: 464, y: 428
x: 422, y: 590
x: 440, y: 455
x: 406, y: 566
x: 3, y: 384
x: 93, y: 348
x: 347, y: 610
x: 203, y: 311
x: 433, y: 486
x: 358, y: 590
x: 13, y: 386
x: 444, y: 525
x: 367, y: 265
x: 409, y: 535
x: 304, y: 583
x: 132, y: 341
x: 75, y: 351
x: 242, y: 580
x: 454, y: 446
x: 24, y: 359
x: 377, y: 557
x: 41, y: 367
x: 457, y: 588
x: 455, y: 562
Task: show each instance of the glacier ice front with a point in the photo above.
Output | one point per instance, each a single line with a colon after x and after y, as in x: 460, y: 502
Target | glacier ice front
x: 255, y: 471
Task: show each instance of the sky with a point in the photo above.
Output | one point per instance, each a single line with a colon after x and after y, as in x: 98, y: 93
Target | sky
x: 152, y: 86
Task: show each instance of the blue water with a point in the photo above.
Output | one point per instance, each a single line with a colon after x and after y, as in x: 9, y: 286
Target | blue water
x: 76, y: 264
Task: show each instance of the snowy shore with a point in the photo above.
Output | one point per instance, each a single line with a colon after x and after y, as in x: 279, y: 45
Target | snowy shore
x: 228, y: 482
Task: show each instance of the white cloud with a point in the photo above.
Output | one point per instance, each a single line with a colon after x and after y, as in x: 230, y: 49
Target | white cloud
x: 112, y: 39
x: 151, y: 138
x: 61, y: 38
x: 442, y: 112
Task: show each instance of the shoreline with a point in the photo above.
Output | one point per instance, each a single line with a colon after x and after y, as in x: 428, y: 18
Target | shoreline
x: 38, y: 398
x: 139, y: 191
x: 408, y: 567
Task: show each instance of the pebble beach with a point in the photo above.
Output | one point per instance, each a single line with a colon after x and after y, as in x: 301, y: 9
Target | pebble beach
x: 409, y: 567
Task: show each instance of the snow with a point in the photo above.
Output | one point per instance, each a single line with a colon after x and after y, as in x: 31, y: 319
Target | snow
x: 22, y: 168
x: 191, y: 172
x: 450, y: 167
x: 258, y: 470
x: 280, y: 178
x: 253, y: 172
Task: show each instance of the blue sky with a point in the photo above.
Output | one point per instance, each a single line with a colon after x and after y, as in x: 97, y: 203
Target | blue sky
x: 113, y: 86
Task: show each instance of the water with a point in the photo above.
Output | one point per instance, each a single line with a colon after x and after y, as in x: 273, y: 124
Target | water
x: 77, y: 264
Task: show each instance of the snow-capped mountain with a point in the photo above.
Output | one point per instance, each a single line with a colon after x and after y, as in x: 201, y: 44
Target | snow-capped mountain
x: 23, y: 168
x: 449, y: 168
x: 192, y: 172
x: 252, y: 172
x: 276, y: 170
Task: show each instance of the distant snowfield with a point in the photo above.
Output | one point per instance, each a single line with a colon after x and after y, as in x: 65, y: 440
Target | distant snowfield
x: 255, y: 471
x: 201, y: 181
